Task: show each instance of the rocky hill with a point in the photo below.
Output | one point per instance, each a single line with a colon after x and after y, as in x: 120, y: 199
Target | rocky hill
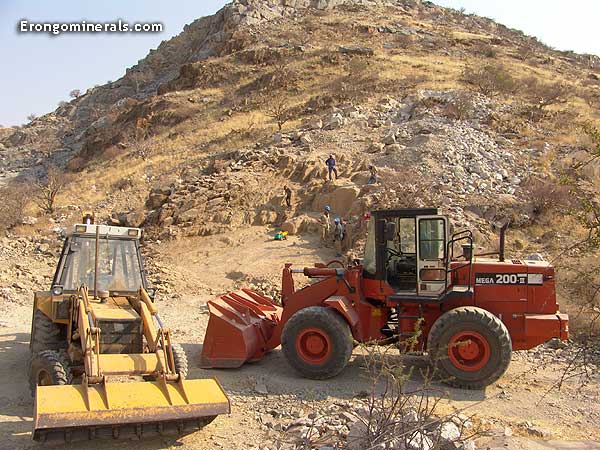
x: 200, y: 136
x: 197, y: 140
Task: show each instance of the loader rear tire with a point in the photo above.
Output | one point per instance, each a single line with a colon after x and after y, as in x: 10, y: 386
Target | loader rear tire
x: 45, y: 334
x: 470, y: 346
x: 317, y: 342
x: 180, y: 360
x: 48, y: 368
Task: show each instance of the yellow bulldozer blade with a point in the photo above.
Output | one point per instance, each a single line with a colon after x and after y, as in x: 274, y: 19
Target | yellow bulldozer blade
x: 74, y: 412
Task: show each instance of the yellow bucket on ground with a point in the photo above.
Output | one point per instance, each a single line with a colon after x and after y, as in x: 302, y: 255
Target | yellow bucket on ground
x: 72, y: 412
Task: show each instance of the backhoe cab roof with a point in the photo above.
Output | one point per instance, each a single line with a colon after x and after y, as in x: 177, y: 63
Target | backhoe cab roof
x: 82, y: 229
x: 405, y: 212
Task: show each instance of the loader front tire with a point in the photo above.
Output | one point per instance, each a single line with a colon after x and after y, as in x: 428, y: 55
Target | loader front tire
x: 317, y: 342
x: 470, y: 347
x: 180, y: 360
x: 45, y: 334
x: 48, y: 368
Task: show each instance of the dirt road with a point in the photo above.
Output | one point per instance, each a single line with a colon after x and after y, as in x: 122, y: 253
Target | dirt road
x: 189, y: 272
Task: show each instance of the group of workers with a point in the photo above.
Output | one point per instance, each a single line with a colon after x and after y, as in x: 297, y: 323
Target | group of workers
x: 336, y: 232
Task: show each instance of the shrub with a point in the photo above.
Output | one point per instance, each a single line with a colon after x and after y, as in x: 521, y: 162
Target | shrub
x: 544, y: 195
x: 490, y: 79
x: 460, y: 108
x: 485, y: 49
x: 12, y: 206
x: 48, y: 188
x: 280, y: 112
x: 75, y: 93
x: 541, y: 94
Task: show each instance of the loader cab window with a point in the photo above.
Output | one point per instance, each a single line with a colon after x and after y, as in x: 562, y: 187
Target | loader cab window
x: 119, y: 265
x: 432, y: 240
x: 401, y: 264
x: 369, y: 258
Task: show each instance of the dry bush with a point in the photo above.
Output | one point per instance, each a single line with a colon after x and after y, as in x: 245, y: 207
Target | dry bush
x: 485, y: 49
x: 12, y: 206
x: 394, y: 413
x: 402, y: 40
x: 48, y: 187
x: 541, y: 95
x: 360, y: 81
x: 282, y: 77
x: 460, y: 108
x: 490, y: 79
x: 544, y: 195
x: 75, y: 93
x: 279, y: 111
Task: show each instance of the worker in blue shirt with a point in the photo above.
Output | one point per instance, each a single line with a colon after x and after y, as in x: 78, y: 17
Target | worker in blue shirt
x: 331, y: 167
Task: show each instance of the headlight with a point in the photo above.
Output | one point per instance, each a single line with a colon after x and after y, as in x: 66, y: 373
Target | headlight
x: 56, y: 291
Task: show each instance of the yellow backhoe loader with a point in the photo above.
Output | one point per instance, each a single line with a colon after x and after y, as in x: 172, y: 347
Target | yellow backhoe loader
x: 102, y: 361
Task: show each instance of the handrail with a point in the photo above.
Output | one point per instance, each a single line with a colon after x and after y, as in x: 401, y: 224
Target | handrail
x: 464, y: 235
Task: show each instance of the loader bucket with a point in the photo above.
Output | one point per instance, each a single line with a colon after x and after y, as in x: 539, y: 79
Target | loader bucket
x: 240, y: 328
x: 75, y: 412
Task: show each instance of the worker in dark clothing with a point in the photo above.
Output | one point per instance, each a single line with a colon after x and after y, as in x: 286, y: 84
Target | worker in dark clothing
x: 373, y: 172
x: 331, y: 167
x: 288, y: 195
x: 338, y: 235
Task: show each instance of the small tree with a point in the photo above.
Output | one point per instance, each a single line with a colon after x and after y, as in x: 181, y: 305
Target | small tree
x: 490, y: 79
x: 75, y: 93
x: 280, y: 112
x: 542, y: 94
x: 31, y: 117
x: 14, y: 200
x: 48, y: 188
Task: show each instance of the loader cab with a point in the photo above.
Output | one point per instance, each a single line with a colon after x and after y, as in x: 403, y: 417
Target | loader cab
x: 406, y: 248
x: 119, y: 262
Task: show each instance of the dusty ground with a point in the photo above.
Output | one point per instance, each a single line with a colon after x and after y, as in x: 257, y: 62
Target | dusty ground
x: 189, y: 272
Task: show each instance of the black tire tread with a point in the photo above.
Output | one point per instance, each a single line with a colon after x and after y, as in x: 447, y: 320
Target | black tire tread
x: 46, y: 335
x: 470, y: 314
x: 180, y: 360
x: 311, y: 317
x: 54, y: 362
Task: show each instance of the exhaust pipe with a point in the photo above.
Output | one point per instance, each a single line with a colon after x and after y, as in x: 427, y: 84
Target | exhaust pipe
x: 502, y: 241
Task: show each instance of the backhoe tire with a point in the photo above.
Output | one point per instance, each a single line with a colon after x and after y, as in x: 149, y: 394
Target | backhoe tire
x: 45, y: 334
x: 470, y: 347
x: 180, y: 360
x: 48, y: 368
x: 317, y: 342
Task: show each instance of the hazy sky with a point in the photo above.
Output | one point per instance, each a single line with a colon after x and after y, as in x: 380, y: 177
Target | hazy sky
x: 38, y: 71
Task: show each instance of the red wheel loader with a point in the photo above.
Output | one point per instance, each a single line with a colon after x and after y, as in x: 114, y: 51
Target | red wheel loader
x: 471, y: 310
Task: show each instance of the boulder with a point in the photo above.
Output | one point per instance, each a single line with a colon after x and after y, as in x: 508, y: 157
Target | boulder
x: 340, y: 199
x: 336, y: 121
x: 156, y: 200
x: 300, y: 224
x: 375, y: 147
x: 265, y: 217
x: 389, y: 138
x: 190, y: 215
x: 135, y: 219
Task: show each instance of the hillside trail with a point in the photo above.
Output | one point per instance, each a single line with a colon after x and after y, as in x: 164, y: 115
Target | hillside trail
x: 190, y: 271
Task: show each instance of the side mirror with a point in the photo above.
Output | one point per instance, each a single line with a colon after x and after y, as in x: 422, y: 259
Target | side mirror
x: 151, y: 293
x: 390, y: 231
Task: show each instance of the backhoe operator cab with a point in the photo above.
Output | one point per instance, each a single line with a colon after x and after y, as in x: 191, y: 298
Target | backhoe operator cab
x: 408, y: 248
x: 119, y: 260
